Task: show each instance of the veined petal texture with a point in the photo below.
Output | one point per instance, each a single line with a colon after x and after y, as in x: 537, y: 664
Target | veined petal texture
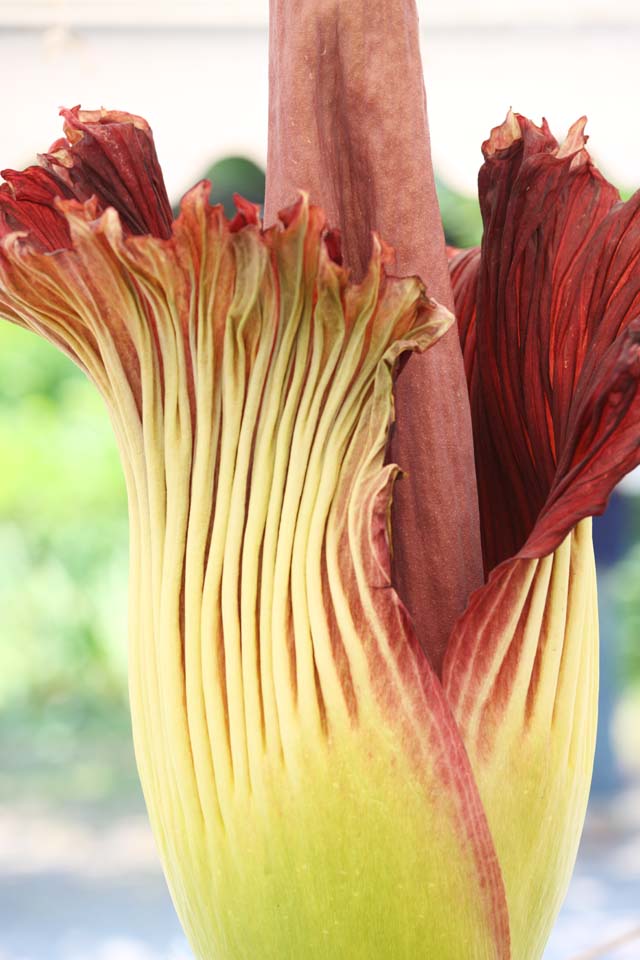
x: 549, y: 318
x: 304, y: 776
x: 521, y: 676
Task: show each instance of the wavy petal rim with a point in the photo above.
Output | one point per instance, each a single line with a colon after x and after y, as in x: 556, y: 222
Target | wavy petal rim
x: 249, y: 384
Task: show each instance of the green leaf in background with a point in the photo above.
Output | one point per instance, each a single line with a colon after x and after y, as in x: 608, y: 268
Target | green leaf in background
x: 63, y: 536
x: 460, y: 216
x: 234, y: 175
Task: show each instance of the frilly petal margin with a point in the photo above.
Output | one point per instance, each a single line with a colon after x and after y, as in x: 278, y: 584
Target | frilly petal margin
x: 303, y: 773
x: 339, y: 125
x: 549, y: 312
x: 106, y: 156
x: 552, y: 287
x: 28, y: 203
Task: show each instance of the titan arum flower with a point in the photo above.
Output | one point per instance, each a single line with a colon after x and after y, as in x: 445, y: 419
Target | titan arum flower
x: 349, y: 753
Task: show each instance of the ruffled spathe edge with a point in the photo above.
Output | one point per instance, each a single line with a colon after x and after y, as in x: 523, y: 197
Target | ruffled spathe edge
x: 107, y: 155
x: 157, y: 321
x: 549, y: 312
x: 540, y: 305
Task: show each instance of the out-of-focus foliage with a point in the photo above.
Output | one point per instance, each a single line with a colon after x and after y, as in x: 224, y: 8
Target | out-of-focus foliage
x: 626, y: 587
x: 63, y: 537
x: 460, y: 216
x: 234, y: 175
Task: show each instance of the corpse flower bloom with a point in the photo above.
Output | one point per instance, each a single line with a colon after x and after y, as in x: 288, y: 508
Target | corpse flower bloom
x: 347, y: 753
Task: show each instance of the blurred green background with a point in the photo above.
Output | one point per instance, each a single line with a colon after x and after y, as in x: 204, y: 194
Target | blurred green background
x: 63, y: 538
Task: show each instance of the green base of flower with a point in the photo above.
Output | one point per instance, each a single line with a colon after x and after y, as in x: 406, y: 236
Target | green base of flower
x: 356, y: 861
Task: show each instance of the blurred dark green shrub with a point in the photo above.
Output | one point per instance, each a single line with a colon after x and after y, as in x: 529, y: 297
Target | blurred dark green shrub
x: 234, y: 175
